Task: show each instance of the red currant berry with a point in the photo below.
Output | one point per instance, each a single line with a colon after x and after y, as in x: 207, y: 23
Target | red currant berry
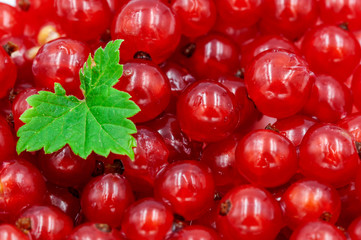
x: 60, y: 61
x: 44, y: 223
x: 213, y: 55
x: 290, y: 18
x: 329, y: 48
x: 21, y: 185
x: 248, y: 212
x: 147, y: 219
x: 83, y: 20
x: 279, y: 82
x: 66, y: 169
x: 105, y: 198
x: 266, y: 158
x: 148, y: 86
x: 187, y: 186
x: 328, y: 153
x: 207, y: 111
x: 319, y: 230
x: 151, y: 155
x: 157, y: 33
x: 330, y: 100
x: 307, y: 200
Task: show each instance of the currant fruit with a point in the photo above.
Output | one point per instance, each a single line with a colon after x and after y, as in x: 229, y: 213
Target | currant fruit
x: 187, y: 186
x: 279, y: 82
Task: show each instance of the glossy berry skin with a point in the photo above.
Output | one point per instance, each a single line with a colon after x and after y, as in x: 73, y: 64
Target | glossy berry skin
x: 178, y: 144
x: 242, y: 13
x: 354, y: 230
x: 295, y: 127
x: 329, y: 48
x: 94, y: 231
x: 147, y: 219
x: 352, y: 124
x: 60, y: 61
x: 262, y: 44
x: 266, y: 158
x: 11, y: 20
x: 194, y: 232
x: 179, y: 78
x: 341, y: 11
x: 248, y: 112
x: 7, y: 141
x: 83, y: 20
x: 187, y: 186
x: 46, y: 222
x: 150, y: 35
x: 249, y: 212
x: 221, y: 158
x: 22, y: 57
x: 20, y: 105
x: 328, y: 154
x: 148, y: 86
x: 319, y: 230
x: 207, y: 111
x: 10, y: 232
x: 63, y: 199
x: 105, y: 198
x: 308, y: 200
x: 8, y: 73
x: 66, y: 169
x: 356, y: 87
x: 330, y: 100
x: 197, y: 16
x: 289, y: 18
x: 240, y: 35
x: 21, y: 185
x: 214, y: 55
x: 151, y: 155
x: 279, y: 83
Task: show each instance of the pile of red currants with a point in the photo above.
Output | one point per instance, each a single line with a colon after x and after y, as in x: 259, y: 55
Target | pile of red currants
x: 249, y: 129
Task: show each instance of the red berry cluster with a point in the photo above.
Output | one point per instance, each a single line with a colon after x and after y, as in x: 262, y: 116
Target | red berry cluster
x: 249, y: 129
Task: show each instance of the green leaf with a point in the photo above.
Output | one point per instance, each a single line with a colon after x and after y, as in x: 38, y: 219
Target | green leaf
x: 97, y: 123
